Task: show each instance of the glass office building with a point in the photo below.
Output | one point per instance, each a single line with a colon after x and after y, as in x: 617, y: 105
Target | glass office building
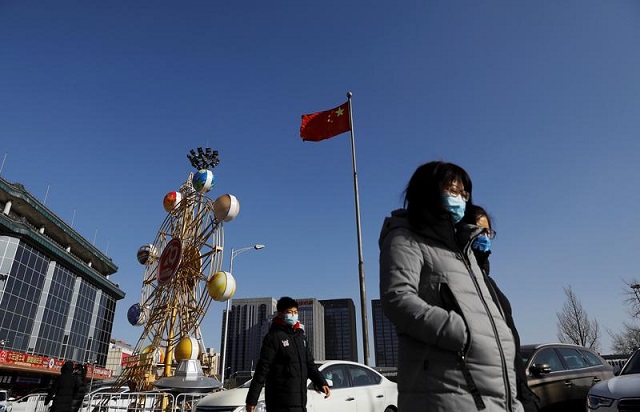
x: 56, y: 300
x: 340, y: 329
x: 249, y: 321
x: 385, y: 337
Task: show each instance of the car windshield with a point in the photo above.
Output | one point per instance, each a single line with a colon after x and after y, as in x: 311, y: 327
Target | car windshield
x: 633, y: 365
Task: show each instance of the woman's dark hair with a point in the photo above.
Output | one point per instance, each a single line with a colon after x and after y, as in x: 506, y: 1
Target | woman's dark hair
x: 285, y: 303
x: 474, y: 212
x: 423, y: 194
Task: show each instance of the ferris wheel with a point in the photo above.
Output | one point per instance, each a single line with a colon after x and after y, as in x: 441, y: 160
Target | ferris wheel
x: 182, y: 273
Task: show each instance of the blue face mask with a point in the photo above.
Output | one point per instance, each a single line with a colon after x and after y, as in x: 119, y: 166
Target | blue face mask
x: 455, y: 205
x: 290, y: 319
x: 482, y: 243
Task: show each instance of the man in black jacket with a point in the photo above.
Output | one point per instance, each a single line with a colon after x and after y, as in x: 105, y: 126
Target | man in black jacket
x: 285, y: 364
x: 63, y: 390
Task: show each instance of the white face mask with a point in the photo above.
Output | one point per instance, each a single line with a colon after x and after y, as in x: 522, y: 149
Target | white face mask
x: 455, y: 205
x: 290, y: 318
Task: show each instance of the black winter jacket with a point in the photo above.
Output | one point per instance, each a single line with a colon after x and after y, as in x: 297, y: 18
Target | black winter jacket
x: 63, y: 390
x: 526, y: 396
x: 284, y: 366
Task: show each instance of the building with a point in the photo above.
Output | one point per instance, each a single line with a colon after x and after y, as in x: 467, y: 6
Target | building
x: 57, y: 301
x: 213, y: 360
x: 311, y: 315
x: 385, y: 338
x: 340, y: 329
x: 117, y: 356
x: 249, y: 321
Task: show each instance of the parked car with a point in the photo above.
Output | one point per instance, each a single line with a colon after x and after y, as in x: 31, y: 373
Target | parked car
x: 561, y: 374
x: 354, y: 387
x: 620, y: 393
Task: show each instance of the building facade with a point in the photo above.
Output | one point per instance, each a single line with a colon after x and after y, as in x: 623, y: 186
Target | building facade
x: 249, y: 321
x: 117, y: 356
x: 311, y: 315
x: 340, y: 329
x: 385, y: 338
x: 57, y: 302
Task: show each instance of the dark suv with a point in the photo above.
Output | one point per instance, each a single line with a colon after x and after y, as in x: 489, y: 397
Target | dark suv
x: 561, y: 374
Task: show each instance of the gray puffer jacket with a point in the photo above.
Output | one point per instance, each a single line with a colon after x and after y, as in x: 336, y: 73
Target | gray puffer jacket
x: 448, y: 326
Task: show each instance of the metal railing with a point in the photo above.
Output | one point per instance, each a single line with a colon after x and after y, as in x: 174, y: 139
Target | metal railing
x: 141, y: 402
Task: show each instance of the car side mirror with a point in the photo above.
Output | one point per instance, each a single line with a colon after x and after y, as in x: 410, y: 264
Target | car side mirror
x: 539, y: 369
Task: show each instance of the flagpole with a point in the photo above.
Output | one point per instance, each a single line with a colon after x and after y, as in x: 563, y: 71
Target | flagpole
x: 363, y: 295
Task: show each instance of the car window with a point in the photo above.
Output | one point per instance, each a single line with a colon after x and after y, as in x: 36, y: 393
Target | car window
x: 3, y: 396
x: 525, y: 355
x: 336, y: 374
x: 591, y: 359
x: 550, y: 357
x: 572, y: 358
x: 362, y: 377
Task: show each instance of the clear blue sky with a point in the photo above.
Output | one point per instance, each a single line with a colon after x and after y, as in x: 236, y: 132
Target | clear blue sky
x: 101, y: 101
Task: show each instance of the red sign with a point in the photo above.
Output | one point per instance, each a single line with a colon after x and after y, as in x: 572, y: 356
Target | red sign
x: 124, y: 358
x: 37, y: 362
x: 28, y: 360
x: 169, y: 261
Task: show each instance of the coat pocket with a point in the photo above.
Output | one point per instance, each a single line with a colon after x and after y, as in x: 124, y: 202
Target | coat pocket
x: 450, y: 303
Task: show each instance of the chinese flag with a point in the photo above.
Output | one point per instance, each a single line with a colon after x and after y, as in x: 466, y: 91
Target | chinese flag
x: 324, y: 125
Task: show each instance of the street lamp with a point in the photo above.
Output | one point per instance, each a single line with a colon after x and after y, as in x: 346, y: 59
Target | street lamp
x: 93, y: 368
x: 234, y: 253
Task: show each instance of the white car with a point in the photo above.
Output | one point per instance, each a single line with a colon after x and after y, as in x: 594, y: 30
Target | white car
x: 620, y: 393
x: 354, y: 387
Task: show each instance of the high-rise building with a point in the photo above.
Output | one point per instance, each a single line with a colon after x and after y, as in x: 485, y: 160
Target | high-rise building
x: 57, y: 302
x: 340, y: 329
x: 311, y: 315
x: 249, y: 321
x: 385, y: 338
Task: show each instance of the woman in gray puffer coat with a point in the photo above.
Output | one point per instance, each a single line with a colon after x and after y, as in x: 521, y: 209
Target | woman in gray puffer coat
x: 456, y: 353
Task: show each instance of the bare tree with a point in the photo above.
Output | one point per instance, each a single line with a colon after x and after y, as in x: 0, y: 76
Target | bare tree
x: 633, y: 298
x: 574, y: 325
x: 626, y: 341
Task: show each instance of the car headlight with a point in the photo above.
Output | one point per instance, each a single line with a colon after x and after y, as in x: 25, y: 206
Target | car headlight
x: 595, y: 402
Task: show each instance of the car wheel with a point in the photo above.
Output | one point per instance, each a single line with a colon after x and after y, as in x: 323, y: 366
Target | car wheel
x: 389, y: 409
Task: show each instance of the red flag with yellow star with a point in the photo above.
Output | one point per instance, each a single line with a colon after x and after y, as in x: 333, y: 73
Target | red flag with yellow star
x: 324, y: 125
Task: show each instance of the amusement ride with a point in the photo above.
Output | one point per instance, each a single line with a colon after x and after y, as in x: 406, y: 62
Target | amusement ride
x: 182, y: 275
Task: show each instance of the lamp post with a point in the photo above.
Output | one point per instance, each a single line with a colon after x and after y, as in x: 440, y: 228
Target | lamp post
x: 234, y: 253
x: 93, y: 367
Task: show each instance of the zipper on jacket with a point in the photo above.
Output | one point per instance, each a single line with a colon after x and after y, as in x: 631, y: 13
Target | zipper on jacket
x: 303, y: 363
x: 505, y: 370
